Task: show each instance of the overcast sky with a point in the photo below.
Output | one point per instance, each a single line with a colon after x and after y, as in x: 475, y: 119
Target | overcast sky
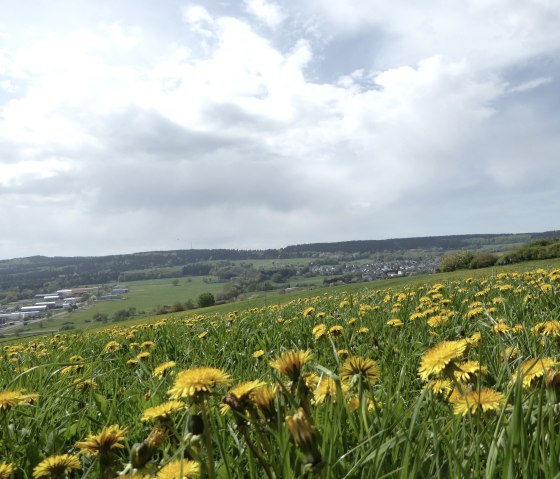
x: 139, y: 125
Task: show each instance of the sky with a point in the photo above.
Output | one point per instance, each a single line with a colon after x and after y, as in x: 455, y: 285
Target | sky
x: 143, y: 125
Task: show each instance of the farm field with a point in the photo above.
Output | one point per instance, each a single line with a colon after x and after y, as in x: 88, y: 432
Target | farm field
x: 453, y: 375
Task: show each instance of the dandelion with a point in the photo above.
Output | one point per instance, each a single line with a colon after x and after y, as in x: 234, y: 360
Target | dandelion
x: 533, y: 369
x: 259, y: 353
x: 264, y: 399
x: 440, y: 386
x: 548, y: 328
x: 132, y: 362
x: 464, y: 371
x: 336, y: 331
x: 358, y: 367
x: 501, y: 327
x: 485, y: 399
x: 436, y: 359
x: 143, y: 355
x: 437, y: 320
x: 196, y: 382
x: 326, y: 388
x: 56, y: 466
x: 147, y: 345
x: 342, y: 353
x: 9, y: 399
x: 290, y: 363
x: 395, y: 322
x: 112, y: 346
x: 163, y: 369
x: 85, y: 384
x: 319, y: 331
x: 179, y: 469
x: 109, y: 438
x: 305, y: 436
x: 6, y: 470
x: 203, y: 335
x: 238, y: 398
x: 363, y: 330
x: 163, y: 411
x: 308, y: 312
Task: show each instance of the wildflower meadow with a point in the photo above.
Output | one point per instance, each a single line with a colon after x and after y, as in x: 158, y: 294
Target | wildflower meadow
x: 459, y: 378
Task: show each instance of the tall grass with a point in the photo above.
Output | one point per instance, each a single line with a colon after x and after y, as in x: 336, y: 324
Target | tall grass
x: 395, y: 426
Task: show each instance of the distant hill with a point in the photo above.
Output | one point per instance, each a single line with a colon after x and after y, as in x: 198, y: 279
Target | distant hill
x: 51, y: 273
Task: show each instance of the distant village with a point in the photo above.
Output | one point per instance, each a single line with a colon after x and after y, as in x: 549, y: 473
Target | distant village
x: 376, y: 270
x: 44, y: 304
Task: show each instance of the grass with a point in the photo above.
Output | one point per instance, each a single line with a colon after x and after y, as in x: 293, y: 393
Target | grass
x: 308, y: 414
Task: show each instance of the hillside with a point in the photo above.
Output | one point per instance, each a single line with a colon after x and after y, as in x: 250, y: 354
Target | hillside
x: 51, y: 273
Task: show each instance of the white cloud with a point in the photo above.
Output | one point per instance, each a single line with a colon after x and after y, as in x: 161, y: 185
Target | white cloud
x: 267, y: 12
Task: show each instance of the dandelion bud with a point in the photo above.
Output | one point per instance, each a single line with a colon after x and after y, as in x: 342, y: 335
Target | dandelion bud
x: 305, y: 437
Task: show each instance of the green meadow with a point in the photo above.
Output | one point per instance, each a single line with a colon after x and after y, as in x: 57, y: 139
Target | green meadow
x: 454, y: 375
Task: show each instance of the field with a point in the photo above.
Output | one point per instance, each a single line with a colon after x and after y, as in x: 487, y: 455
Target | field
x: 452, y: 375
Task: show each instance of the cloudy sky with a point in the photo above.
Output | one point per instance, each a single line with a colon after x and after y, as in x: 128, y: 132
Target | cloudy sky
x: 137, y: 125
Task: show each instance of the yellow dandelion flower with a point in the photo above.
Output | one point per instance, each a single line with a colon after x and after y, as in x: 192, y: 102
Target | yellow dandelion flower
x: 9, y: 399
x: 440, y: 386
x: 437, y: 320
x: 510, y: 353
x: 76, y: 358
x: 485, y: 399
x: 264, y: 398
x: 109, y: 438
x: 363, y: 330
x: 147, y: 344
x: 143, y: 355
x: 466, y: 370
x: 501, y: 327
x: 239, y: 397
x: 436, y: 359
x: 474, y: 339
x: 342, y: 353
x: 358, y: 367
x: 309, y: 311
x: 548, y: 328
x: 179, y: 469
x: 85, y: 384
x: 344, y: 303
x: 161, y: 370
x: 196, y: 382
x: 326, y: 388
x: 203, y: 335
x: 319, y: 331
x: 163, y: 411
x: 474, y: 312
x: 335, y: 331
x: 132, y: 362
x: 290, y: 363
x: 259, y: 353
x: 56, y: 466
x: 6, y: 470
x: 112, y: 346
x: 395, y: 322
x: 533, y: 369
